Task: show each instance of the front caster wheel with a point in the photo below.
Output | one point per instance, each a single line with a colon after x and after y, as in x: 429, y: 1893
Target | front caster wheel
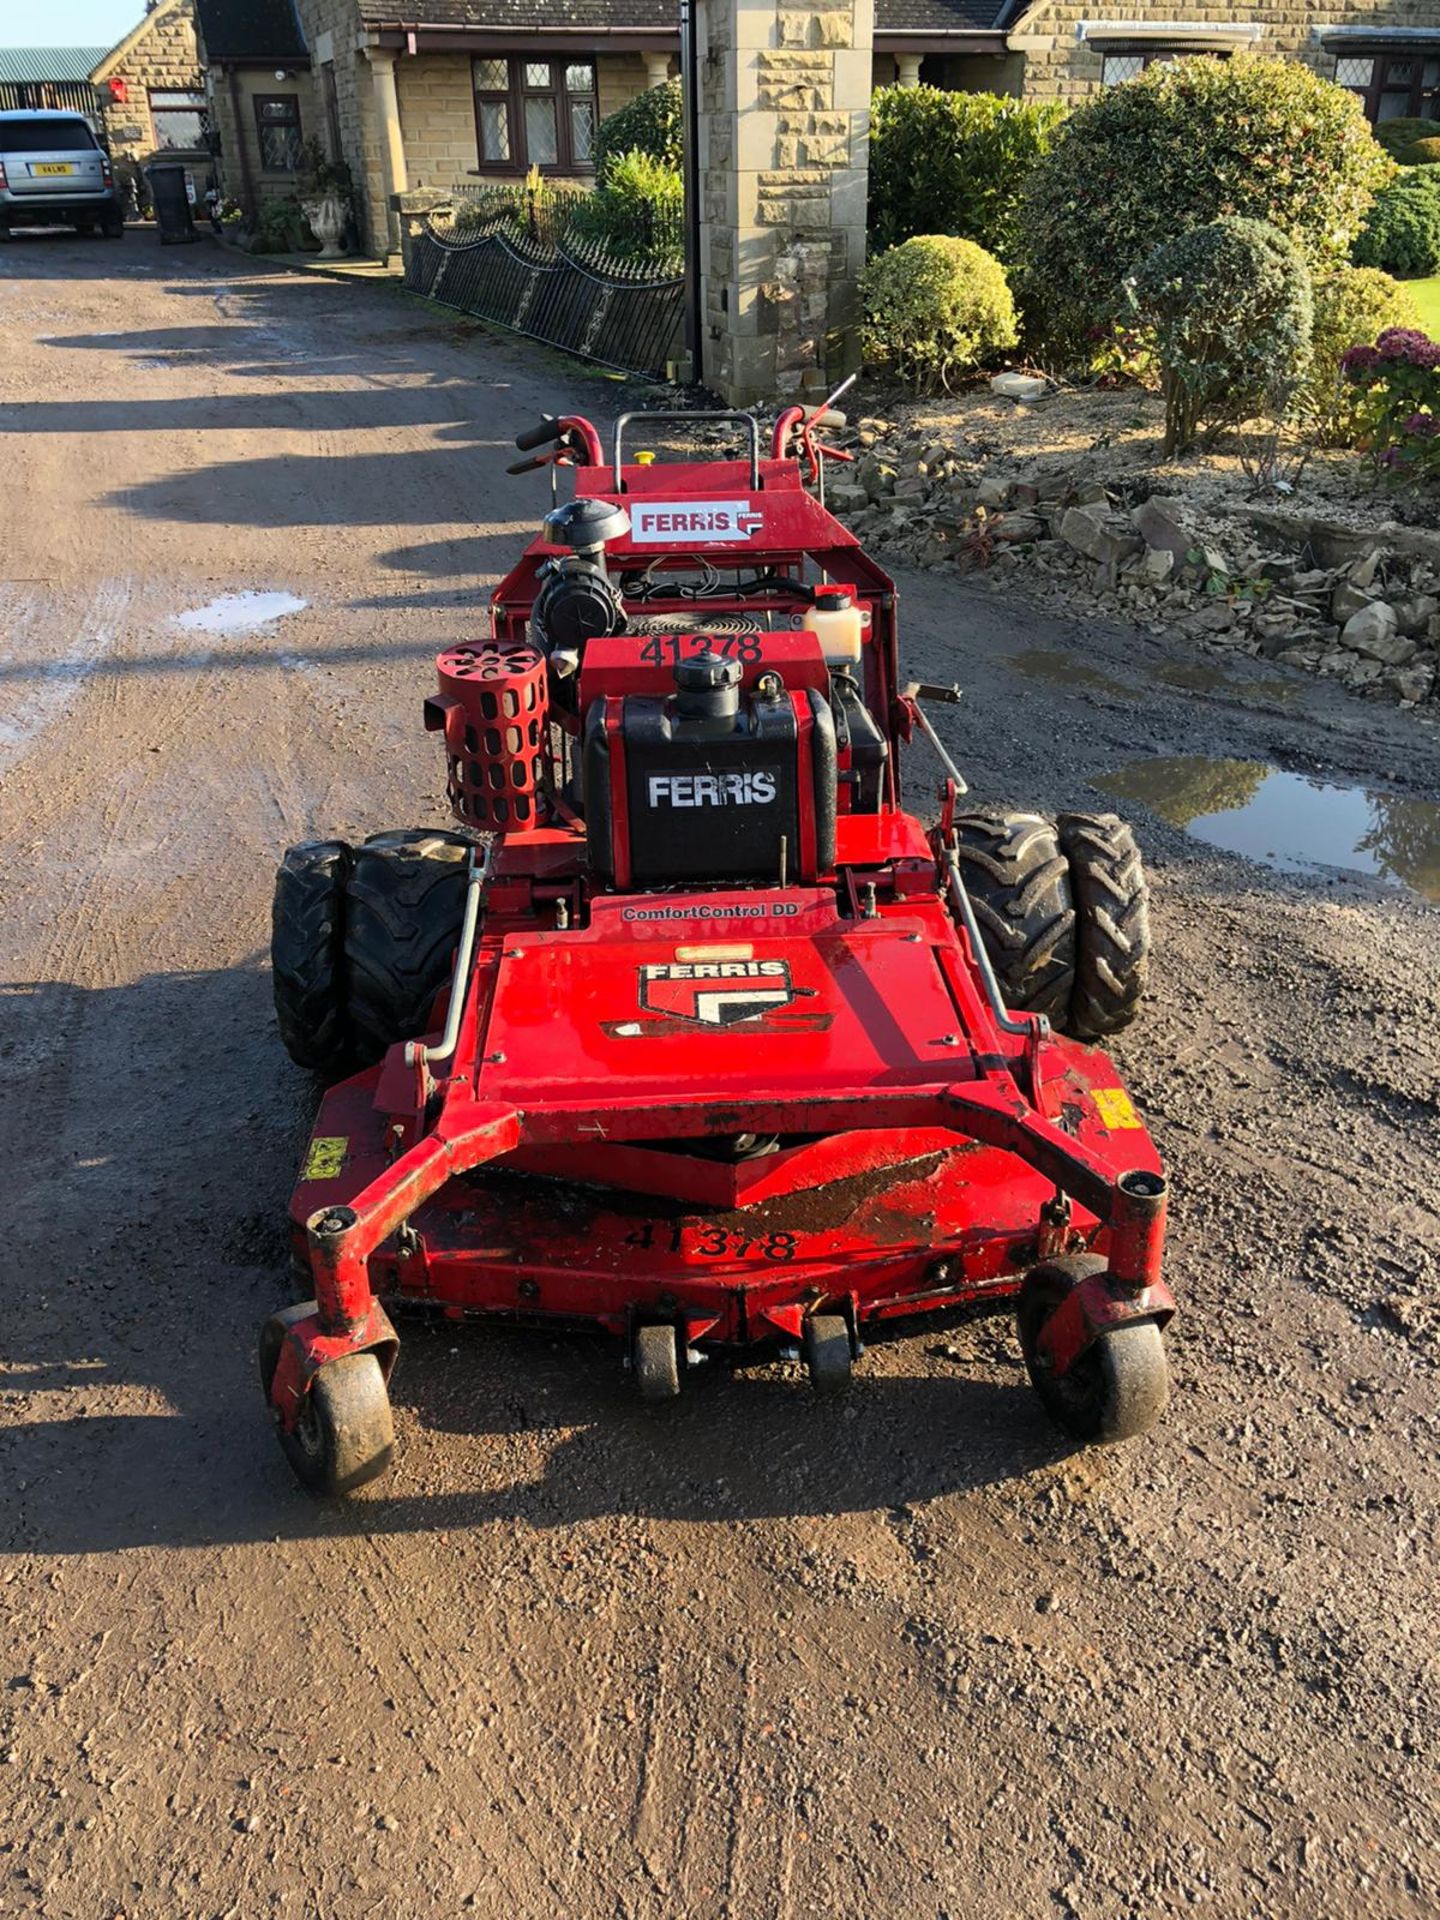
x: 656, y: 1360
x: 826, y: 1352
x: 345, y: 1434
x: 1118, y: 1388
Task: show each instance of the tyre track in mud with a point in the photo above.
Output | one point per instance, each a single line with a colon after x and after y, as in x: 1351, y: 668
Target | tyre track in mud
x: 757, y: 1655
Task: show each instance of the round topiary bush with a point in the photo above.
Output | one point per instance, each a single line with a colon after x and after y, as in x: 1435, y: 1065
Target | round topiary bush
x: 1230, y: 307
x: 935, y: 305
x: 1402, y: 233
x: 954, y: 163
x: 1185, y: 144
x: 1395, y: 135
x: 652, y: 123
x: 1353, y: 307
x: 1423, y: 153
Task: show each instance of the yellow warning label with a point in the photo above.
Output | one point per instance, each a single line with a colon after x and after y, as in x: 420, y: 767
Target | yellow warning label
x: 1115, y: 1108
x: 327, y: 1156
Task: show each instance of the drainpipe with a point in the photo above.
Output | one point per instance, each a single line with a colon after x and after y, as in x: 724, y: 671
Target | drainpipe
x: 247, y: 179
x: 690, y: 87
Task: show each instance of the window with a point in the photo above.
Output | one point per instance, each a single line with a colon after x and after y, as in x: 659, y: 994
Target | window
x: 1403, y: 85
x: 277, y: 123
x: 535, y: 113
x: 1128, y: 63
x: 48, y: 136
x: 179, y: 119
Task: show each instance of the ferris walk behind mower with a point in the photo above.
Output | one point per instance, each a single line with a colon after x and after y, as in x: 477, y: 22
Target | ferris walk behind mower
x: 691, y: 1032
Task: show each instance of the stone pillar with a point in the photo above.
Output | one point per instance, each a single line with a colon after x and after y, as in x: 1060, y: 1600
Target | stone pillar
x: 392, y: 143
x: 657, y: 69
x: 784, y: 117
x: 907, y: 69
x: 414, y: 210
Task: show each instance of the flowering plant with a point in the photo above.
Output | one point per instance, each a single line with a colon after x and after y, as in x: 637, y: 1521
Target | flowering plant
x: 1399, y: 384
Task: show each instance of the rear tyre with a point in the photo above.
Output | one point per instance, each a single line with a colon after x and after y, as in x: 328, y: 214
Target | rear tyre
x: 404, y: 902
x: 85, y: 226
x: 1118, y: 1388
x: 1019, y: 884
x: 345, y: 1434
x: 307, y: 953
x: 114, y: 228
x: 656, y: 1361
x: 826, y: 1351
x: 1112, y: 932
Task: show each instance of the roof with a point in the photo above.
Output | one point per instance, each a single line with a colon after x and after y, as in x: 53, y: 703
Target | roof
x: 251, y: 31
x: 538, y: 16
x: 31, y: 65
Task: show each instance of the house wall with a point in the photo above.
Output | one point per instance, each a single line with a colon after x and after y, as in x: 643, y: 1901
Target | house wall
x: 331, y: 28
x: 249, y: 82
x: 164, y: 56
x: 1059, y: 67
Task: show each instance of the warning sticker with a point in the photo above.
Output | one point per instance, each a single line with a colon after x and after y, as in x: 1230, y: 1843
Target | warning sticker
x: 1116, y: 1109
x: 325, y: 1158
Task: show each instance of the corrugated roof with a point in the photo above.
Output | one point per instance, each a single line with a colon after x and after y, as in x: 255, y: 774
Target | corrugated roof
x: 30, y: 65
x: 254, y: 30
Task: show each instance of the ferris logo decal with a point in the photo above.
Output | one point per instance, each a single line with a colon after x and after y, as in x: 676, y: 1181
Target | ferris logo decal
x: 716, y: 993
x: 712, y: 789
x: 692, y: 523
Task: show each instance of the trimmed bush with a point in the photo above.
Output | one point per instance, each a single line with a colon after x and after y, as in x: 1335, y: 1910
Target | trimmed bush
x: 652, y: 123
x: 637, y: 212
x: 1395, y: 135
x: 1402, y: 233
x: 1183, y: 145
x: 1423, y: 153
x: 952, y: 163
x: 934, y: 306
x: 1353, y: 307
x: 1231, y: 310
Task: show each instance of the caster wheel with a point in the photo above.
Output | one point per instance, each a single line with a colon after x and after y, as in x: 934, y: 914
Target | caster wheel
x: 1118, y: 1388
x: 656, y: 1360
x: 826, y: 1352
x: 345, y: 1435
x: 272, y: 1338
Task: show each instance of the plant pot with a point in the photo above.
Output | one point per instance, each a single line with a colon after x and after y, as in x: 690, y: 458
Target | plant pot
x: 327, y: 216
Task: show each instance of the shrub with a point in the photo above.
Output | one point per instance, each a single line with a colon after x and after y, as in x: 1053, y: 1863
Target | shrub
x: 952, y: 163
x: 1353, y: 307
x: 1181, y: 146
x: 1398, y: 384
x: 935, y: 305
x: 652, y: 123
x: 637, y: 212
x: 1395, y: 135
x: 1231, y: 309
x: 1423, y: 153
x: 1402, y: 233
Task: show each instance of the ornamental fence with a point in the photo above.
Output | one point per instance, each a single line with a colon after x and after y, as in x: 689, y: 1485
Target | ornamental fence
x: 559, y: 265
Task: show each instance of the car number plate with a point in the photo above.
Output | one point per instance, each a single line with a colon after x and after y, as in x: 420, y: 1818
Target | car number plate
x: 52, y: 166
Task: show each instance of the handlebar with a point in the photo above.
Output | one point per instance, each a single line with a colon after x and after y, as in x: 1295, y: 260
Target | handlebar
x: 549, y: 430
x: 746, y: 420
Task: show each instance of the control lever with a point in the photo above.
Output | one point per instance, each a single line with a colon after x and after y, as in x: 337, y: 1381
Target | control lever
x: 950, y: 696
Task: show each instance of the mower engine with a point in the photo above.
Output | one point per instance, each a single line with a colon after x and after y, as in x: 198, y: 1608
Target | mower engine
x: 690, y: 1031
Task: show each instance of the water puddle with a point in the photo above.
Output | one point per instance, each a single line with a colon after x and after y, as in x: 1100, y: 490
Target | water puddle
x: 1064, y: 670
x: 1288, y: 821
x: 240, y: 613
x: 1198, y: 679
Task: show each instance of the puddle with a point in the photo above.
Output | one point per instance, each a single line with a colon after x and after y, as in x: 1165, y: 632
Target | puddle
x: 1064, y: 670
x: 1197, y: 679
x: 240, y: 613
x: 1287, y: 820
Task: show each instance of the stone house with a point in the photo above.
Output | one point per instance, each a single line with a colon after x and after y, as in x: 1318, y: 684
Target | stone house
x: 262, y: 98
x: 481, y: 90
x: 151, y: 95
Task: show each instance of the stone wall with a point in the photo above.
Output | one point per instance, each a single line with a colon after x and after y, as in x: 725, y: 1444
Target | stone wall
x: 784, y: 129
x: 1058, y: 66
x: 163, y: 56
x: 330, y: 33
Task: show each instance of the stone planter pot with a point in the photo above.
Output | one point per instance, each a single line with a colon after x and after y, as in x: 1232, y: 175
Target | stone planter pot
x: 328, y: 216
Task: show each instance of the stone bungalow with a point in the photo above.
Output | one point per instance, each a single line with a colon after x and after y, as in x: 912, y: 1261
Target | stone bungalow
x: 484, y: 89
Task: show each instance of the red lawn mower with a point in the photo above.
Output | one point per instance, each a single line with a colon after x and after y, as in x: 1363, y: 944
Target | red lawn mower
x: 690, y: 1031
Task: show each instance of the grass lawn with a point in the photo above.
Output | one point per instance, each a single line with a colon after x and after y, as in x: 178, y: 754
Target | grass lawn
x: 1426, y: 295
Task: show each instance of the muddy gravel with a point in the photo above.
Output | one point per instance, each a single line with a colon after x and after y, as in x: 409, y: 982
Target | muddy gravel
x: 759, y: 1654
